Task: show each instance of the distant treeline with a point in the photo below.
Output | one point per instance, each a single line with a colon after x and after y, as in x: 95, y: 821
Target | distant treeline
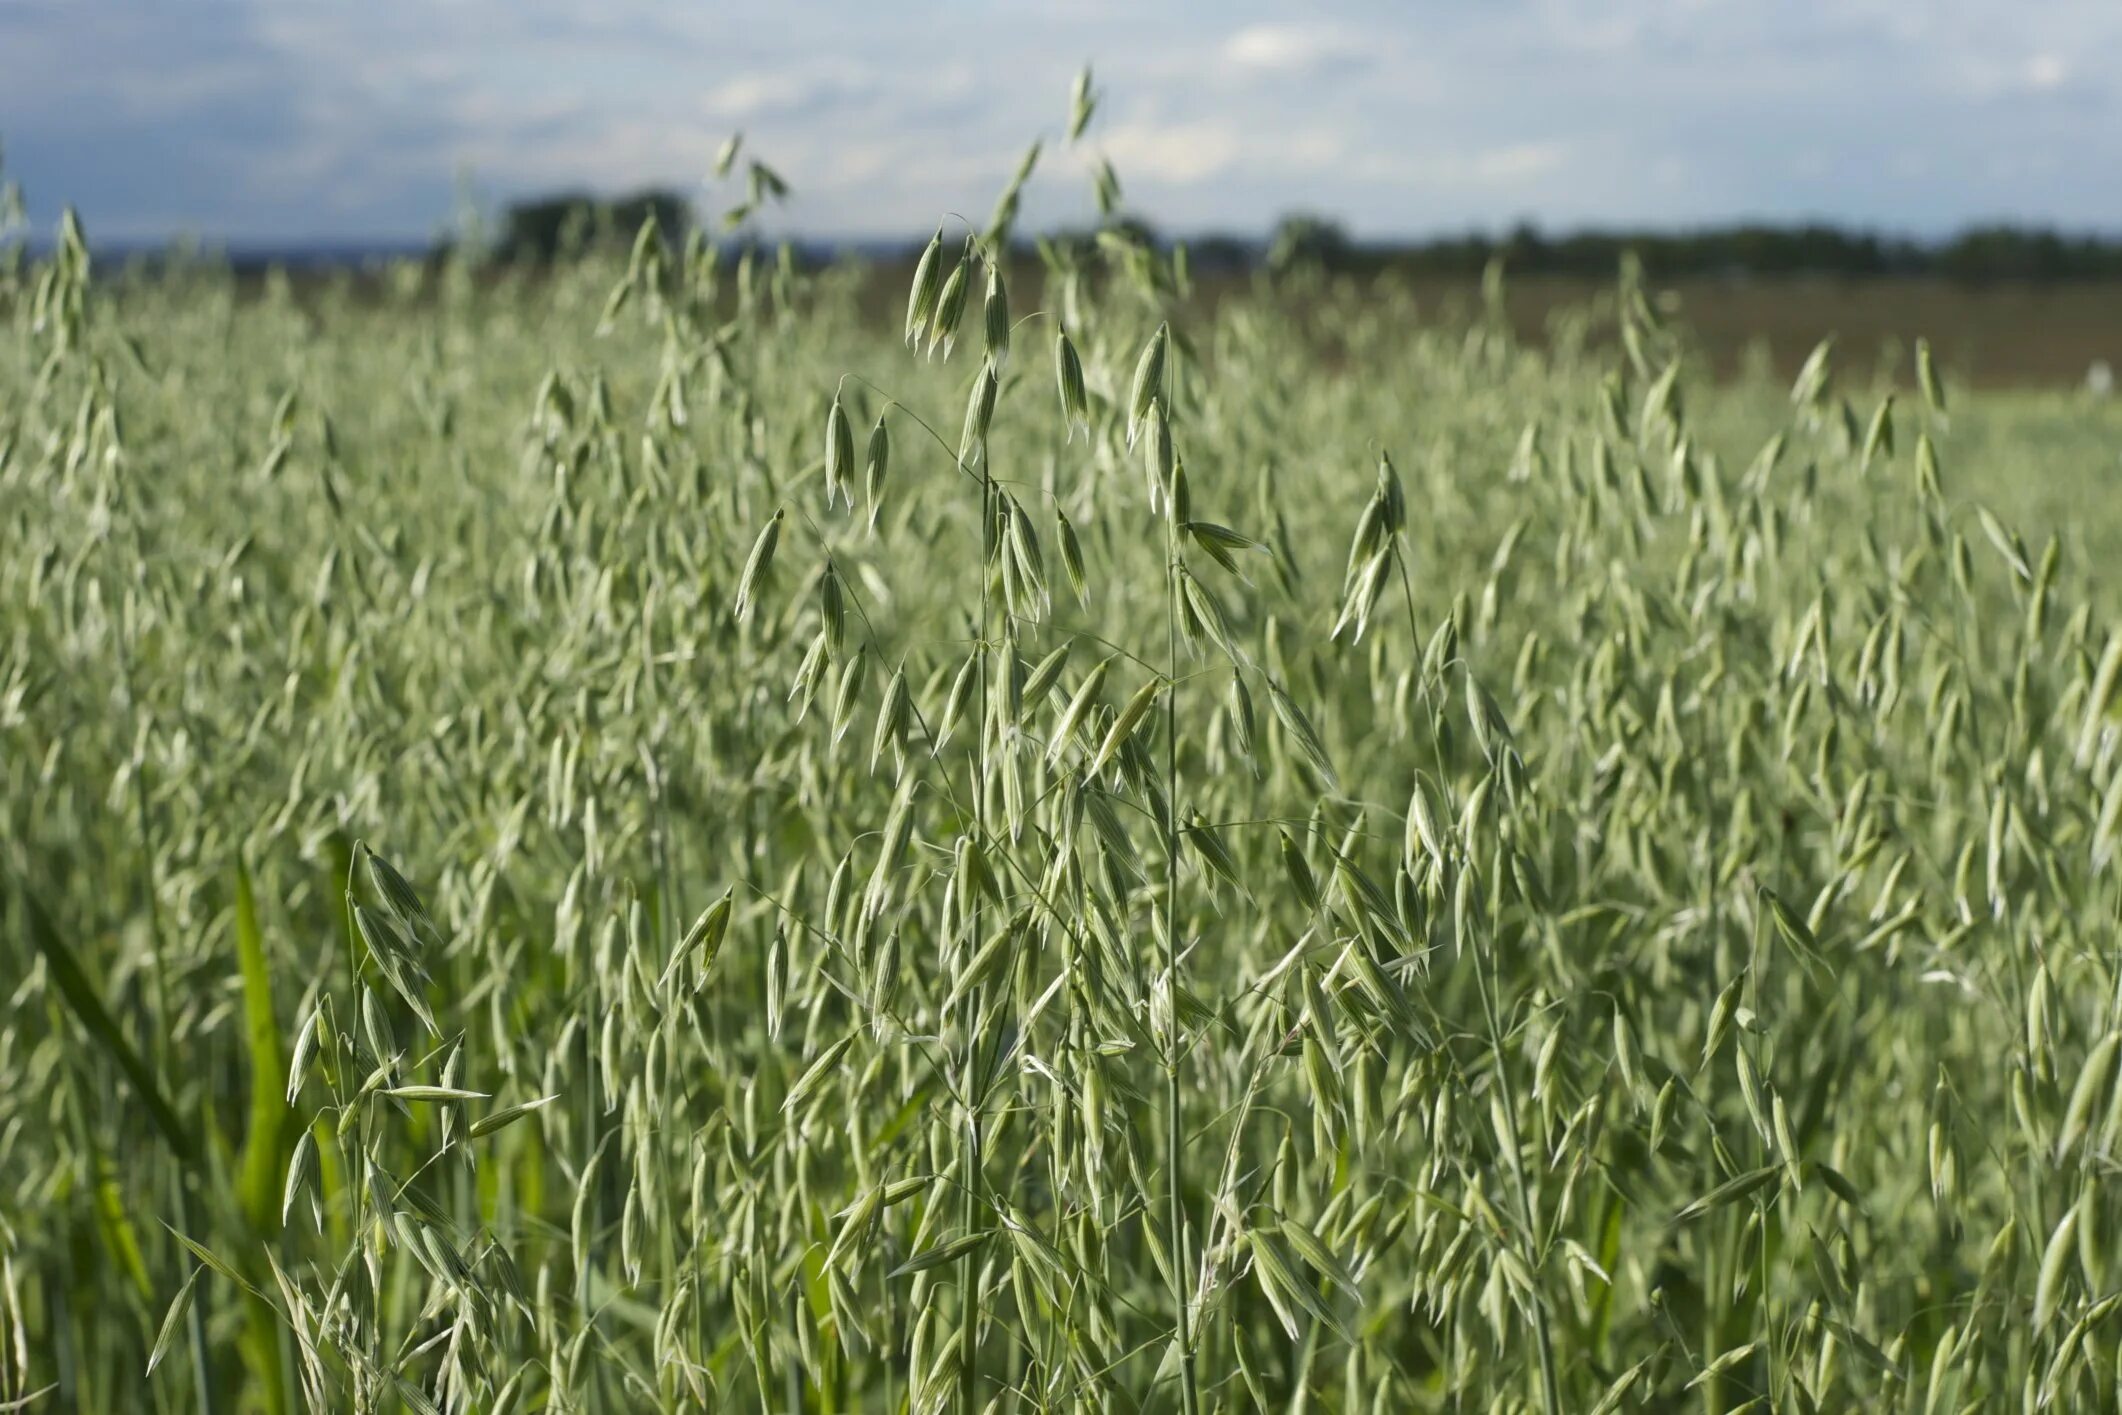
x: 1979, y: 253
x: 550, y: 227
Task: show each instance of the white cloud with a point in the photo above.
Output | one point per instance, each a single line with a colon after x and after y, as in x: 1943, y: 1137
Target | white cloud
x: 1177, y: 152
x: 791, y: 92
x: 1517, y: 162
x: 2044, y: 72
x: 1289, y: 48
x: 2043, y: 75
x: 1511, y: 165
x: 1231, y: 145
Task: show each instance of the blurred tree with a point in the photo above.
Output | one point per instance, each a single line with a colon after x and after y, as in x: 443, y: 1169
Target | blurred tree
x: 1302, y: 240
x: 547, y: 228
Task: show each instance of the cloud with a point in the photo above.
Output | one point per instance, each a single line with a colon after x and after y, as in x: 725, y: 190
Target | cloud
x: 813, y: 90
x: 1289, y: 49
x: 1517, y: 162
x: 1511, y: 165
x: 2046, y: 72
x: 1178, y: 152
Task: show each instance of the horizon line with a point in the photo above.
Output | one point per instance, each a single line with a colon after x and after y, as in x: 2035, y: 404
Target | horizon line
x: 1930, y: 239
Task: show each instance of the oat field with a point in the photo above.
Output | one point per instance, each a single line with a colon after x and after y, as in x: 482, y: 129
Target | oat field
x: 629, y: 838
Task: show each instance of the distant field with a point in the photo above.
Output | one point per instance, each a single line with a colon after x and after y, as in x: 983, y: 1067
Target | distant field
x: 1993, y: 336
x: 1989, y: 335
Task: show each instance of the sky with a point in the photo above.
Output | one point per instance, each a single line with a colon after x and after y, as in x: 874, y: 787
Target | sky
x: 262, y: 121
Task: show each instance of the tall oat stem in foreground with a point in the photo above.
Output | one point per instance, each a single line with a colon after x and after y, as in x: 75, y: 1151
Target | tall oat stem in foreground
x: 1173, y: 1042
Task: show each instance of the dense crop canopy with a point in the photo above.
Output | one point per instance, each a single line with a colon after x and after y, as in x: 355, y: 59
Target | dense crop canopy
x: 648, y: 837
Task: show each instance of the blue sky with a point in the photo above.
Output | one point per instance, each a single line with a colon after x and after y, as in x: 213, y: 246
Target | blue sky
x: 294, y: 120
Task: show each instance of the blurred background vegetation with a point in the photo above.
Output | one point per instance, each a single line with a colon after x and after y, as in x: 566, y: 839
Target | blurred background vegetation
x: 2004, y: 306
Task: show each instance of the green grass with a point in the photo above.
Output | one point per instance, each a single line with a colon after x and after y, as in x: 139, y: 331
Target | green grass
x: 1669, y: 957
